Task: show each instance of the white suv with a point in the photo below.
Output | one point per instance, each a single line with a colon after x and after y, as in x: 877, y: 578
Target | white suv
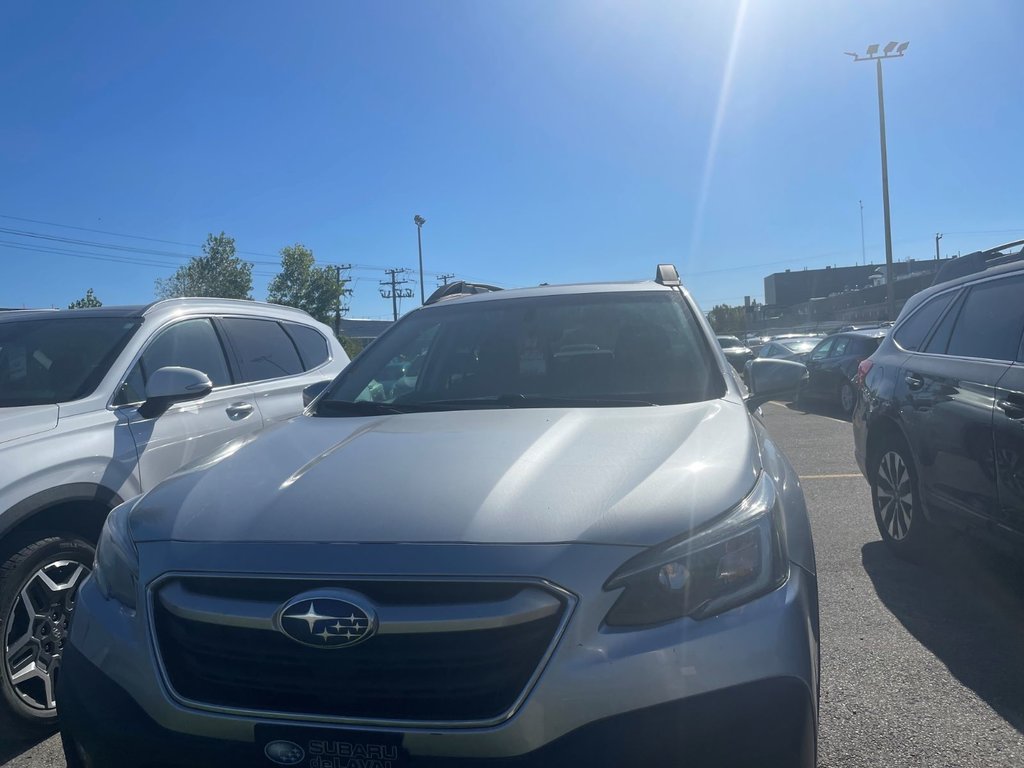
x: 99, y: 405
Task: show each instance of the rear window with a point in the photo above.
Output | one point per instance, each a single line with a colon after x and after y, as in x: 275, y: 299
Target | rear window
x: 264, y: 350
x: 311, y: 344
x: 867, y: 347
x: 914, y: 330
x: 991, y: 321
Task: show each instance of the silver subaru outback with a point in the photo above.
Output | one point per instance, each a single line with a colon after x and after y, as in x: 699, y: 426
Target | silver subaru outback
x: 540, y: 527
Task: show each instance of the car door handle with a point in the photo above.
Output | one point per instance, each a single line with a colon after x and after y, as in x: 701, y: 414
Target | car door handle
x: 239, y: 411
x: 1012, y: 405
x: 914, y: 381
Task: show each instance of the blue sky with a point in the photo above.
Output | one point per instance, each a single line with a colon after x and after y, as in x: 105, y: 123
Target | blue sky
x: 543, y: 140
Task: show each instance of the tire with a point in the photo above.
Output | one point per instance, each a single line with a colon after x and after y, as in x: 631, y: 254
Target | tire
x: 847, y: 399
x: 38, y: 586
x: 897, y: 501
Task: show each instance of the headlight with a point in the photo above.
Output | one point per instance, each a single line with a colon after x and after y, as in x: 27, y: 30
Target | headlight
x: 738, y: 558
x: 117, y: 561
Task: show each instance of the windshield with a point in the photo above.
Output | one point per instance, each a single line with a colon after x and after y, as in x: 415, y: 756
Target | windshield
x: 729, y: 341
x: 58, y: 359
x: 595, y: 349
x: 800, y: 345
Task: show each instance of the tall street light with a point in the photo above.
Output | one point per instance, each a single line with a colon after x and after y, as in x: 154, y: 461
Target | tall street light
x: 891, y: 51
x: 419, y: 221
x: 863, y: 252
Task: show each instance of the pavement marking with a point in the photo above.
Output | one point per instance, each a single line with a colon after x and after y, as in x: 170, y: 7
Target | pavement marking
x: 830, y: 477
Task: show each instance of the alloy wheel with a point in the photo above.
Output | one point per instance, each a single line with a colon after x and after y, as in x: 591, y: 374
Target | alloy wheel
x: 847, y: 398
x: 37, y: 629
x: 895, y: 498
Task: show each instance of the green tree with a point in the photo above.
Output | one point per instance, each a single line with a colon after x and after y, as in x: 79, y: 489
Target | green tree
x: 217, y: 273
x: 89, y: 300
x: 726, y: 319
x: 304, y: 285
x: 351, y: 346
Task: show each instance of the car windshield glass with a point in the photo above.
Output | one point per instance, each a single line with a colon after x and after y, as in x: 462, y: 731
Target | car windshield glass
x: 58, y: 359
x: 591, y: 349
x: 800, y: 345
x: 729, y: 341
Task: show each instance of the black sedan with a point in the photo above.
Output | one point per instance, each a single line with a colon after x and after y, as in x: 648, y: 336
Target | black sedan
x: 736, y: 352
x: 832, y: 365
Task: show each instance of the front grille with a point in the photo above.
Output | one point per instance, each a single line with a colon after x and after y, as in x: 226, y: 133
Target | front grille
x: 425, y: 677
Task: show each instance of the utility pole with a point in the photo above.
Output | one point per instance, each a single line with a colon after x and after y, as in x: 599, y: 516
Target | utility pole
x: 938, y: 236
x: 891, y: 51
x: 419, y: 221
x: 863, y: 252
x: 338, y: 268
x: 443, y: 279
x: 391, y: 288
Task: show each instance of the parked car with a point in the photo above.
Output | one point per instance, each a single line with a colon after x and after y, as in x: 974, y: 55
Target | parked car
x: 832, y: 364
x: 736, y: 352
x: 99, y: 405
x: 797, y: 348
x: 939, y: 429
x: 563, y: 544
x: 793, y: 349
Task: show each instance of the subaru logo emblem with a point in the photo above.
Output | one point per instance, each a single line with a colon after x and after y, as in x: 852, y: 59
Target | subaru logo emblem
x: 284, y: 752
x: 327, y: 619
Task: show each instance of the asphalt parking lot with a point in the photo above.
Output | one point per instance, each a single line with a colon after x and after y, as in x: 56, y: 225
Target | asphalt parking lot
x: 921, y: 665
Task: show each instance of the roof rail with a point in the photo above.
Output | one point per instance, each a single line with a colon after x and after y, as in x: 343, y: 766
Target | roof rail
x: 667, y: 274
x: 457, y: 290
x: 979, y: 261
x: 218, y: 300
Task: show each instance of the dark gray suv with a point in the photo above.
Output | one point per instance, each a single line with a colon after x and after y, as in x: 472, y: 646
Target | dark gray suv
x: 939, y: 425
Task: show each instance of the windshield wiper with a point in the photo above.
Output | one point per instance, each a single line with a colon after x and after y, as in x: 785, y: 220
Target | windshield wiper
x: 511, y: 400
x: 519, y: 400
x: 361, y: 408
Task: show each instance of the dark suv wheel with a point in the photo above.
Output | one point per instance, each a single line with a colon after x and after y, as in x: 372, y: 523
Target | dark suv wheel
x: 896, y: 500
x: 38, y: 587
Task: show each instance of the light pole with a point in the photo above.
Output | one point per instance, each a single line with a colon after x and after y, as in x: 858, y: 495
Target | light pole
x: 419, y: 221
x: 938, y: 236
x: 863, y: 252
x: 891, y: 51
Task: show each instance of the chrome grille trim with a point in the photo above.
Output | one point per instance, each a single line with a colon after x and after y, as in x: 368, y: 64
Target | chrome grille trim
x: 570, y: 599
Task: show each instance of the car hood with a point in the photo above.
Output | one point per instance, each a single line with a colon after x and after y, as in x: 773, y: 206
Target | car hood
x: 603, y: 475
x: 23, y: 421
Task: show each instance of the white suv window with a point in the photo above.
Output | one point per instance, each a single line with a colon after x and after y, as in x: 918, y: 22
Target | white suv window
x: 264, y: 350
x: 191, y: 344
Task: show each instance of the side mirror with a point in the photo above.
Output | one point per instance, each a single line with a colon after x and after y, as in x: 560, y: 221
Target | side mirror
x: 769, y: 379
x: 173, y: 384
x: 310, y: 393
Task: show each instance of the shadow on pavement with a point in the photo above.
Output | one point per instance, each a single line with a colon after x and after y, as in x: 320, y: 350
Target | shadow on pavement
x: 817, y: 408
x: 966, y: 606
x: 11, y: 748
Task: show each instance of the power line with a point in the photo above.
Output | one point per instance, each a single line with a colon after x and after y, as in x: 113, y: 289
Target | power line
x: 119, y: 234
x: 31, y: 248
